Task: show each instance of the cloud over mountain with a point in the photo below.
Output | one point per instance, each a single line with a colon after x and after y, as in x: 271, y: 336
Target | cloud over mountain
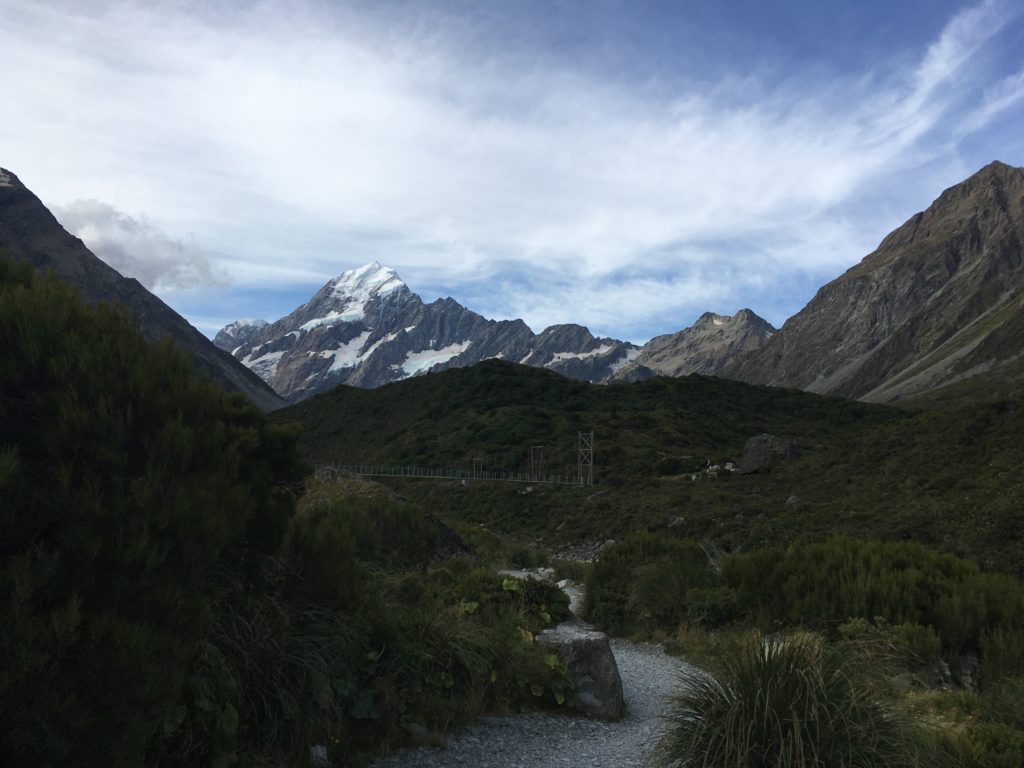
x: 137, y: 247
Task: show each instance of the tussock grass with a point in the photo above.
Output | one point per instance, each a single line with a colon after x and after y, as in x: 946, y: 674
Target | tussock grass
x: 795, y: 702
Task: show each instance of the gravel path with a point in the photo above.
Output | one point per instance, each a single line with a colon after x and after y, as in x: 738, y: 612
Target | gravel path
x: 649, y: 678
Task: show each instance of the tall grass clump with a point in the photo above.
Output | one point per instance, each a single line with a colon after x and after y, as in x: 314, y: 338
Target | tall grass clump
x: 794, y: 702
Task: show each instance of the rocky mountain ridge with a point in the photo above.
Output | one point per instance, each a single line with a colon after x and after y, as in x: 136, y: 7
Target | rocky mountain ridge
x: 706, y: 347
x: 366, y: 328
x: 938, y: 303
x: 29, y: 232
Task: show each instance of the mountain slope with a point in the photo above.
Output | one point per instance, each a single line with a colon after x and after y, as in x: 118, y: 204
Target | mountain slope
x: 366, y: 328
x: 705, y: 347
x: 28, y: 231
x: 935, y: 304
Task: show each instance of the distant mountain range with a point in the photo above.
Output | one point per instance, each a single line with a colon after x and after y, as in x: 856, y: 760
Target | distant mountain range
x: 935, y: 312
x: 29, y: 232
x: 366, y: 328
x: 937, y: 308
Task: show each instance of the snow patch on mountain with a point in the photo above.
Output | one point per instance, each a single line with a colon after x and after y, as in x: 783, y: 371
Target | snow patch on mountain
x: 418, y: 362
x: 333, y: 318
x: 264, y: 366
x: 626, y: 359
x: 373, y: 347
x: 348, y: 354
x: 5, y: 179
x: 558, y: 357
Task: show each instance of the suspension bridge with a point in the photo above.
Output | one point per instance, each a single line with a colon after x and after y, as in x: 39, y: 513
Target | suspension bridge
x: 584, y: 474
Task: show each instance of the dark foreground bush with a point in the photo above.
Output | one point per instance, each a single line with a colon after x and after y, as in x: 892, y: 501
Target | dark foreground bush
x: 125, y: 483
x: 795, y: 702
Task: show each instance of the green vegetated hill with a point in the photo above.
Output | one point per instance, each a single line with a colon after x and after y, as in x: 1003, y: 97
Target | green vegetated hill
x: 943, y: 477
x: 496, y: 411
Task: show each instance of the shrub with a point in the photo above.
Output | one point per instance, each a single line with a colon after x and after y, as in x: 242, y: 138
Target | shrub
x: 823, y: 584
x: 790, y: 702
x: 993, y: 745
x: 125, y: 483
x: 641, y: 583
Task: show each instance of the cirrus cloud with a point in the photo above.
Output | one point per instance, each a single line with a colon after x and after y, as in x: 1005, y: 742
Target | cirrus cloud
x: 301, y: 139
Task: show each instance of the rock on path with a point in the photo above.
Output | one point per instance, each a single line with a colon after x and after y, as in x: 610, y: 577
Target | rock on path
x: 649, y: 678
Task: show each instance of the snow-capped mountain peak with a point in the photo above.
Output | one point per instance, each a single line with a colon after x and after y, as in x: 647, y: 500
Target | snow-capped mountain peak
x: 366, y: 281
x: 366, y: 328
x: 345, y: 299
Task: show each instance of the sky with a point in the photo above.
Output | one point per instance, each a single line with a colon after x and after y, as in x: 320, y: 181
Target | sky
x: 626, y: 165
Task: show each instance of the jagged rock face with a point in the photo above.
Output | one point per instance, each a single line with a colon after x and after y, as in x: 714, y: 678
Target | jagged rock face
x: 938, y: 302
x: 574, y: 352
x: 366, y: 328
x: 238, y: 333
x: 28, y: 231
x: 705, y: 348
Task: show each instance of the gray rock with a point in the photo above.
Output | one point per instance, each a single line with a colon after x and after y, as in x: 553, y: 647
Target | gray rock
x: 762, y: 451
x: 969, y: 672
x: 589, y: 657
x: 318, y: 757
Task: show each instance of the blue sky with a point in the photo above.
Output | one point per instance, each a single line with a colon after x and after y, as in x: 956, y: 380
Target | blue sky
x: 625, y: 165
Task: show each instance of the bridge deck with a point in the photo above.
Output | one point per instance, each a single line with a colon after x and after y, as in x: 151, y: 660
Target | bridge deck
x: 449, y: 473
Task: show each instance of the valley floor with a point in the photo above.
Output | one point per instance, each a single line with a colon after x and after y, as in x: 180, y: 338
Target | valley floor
x: 649, y: 679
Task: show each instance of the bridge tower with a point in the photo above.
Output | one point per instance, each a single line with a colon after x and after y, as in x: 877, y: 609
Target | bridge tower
x: 585, y: 460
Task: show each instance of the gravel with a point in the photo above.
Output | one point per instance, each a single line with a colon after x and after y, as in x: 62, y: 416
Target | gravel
x: 649, y: 678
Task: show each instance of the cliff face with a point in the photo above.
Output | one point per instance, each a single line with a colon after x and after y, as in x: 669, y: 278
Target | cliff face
x: 28, y: 231
x: 933, y: 305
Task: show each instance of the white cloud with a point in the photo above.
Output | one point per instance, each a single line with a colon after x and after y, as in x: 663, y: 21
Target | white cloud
x: 136, y: 247
x: 1004, y: 95
x: 299, y: 140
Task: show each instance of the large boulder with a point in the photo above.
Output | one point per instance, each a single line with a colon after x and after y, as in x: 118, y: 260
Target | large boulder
x: 762, y: 451
x: 589, y: 657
